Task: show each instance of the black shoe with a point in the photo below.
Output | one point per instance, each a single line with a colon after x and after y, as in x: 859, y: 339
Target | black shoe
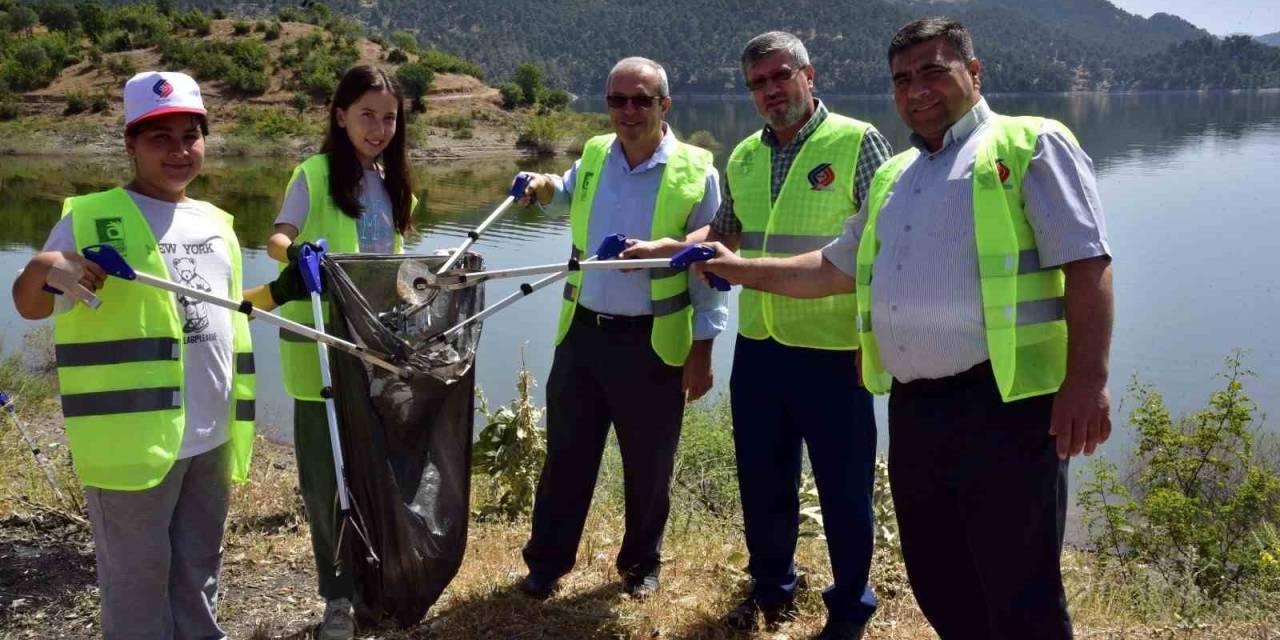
x: 841, y: 629
x: 538, y: 587
x: 743, y: 616
x: 640, y: 586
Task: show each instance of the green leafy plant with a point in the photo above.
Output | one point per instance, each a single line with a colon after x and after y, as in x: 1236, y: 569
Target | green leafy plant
x: 415, y: 78
x: 1200, y: 506
x: 509, y: 452
x: 77, y: 102
x: 512, y: 95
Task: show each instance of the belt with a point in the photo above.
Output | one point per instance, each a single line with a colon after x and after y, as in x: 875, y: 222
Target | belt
x: 610, y: 322
x: 979, y: 374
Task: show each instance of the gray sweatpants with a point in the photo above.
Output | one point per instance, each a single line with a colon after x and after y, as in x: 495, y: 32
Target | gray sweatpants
x: 159, y: 552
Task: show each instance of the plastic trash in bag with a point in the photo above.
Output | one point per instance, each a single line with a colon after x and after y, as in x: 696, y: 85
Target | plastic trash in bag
x: 406, y: 439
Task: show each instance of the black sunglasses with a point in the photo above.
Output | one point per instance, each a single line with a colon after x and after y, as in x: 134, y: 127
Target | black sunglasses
x: 639, y: 102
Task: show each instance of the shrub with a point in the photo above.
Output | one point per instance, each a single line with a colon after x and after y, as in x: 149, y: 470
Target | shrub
x: 58, y: 16
x: 541, y: 134
x: 116, y: 40
x: 241, y: 27
x: 453, y: 121
x: 509, y: 451
x: 512, y: 95
x: 219, y: 14
x: 553, y: 99
x: 529, y: 78
x: 404, y: 40
x: 273, y: 31
x: 93, y: 18
x: 442, y: 62
x: 465, y: 133
x: 196, y: 21
x: 289, y: 14
x: 703, y: 138
x: 9, y: 108
x: 77, y: 102
x: 100, y: 101
x: 144, y: 26
x: 121, y: 66
x: 1201, y: 507
x: 247, y: 81
x: 397, y: 56
x: 415, y: 78
x: 260, y: 26
x: 300, y: 101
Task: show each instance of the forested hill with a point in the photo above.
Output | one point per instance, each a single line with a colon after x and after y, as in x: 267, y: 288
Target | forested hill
x: 1026, y: 45
x: 1272, y: 39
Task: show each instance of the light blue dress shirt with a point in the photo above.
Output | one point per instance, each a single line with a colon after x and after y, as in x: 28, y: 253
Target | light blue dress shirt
x: 927, y: 307
x: 624, y: 204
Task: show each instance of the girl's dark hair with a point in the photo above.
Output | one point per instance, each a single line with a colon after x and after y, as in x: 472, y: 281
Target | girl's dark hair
x: 345, y: 171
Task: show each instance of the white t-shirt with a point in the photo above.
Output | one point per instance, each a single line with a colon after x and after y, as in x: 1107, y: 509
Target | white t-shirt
x: 187, y: 235
x: 375, y: 228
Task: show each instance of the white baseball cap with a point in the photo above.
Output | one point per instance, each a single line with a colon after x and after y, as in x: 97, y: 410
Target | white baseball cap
x: 156, y: 93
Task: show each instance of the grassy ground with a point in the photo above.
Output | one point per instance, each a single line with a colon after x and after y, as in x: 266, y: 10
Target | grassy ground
x: 47, y: 576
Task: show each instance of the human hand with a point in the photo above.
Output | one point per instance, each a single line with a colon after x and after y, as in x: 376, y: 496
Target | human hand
x: 539, y: 188
x: 696, y: 378
x: 295, y: 250
x: 75, y: 276
x: 646, y: 249
x: 289, y: 286
x: 1081, y: 418
x: 728, y: 265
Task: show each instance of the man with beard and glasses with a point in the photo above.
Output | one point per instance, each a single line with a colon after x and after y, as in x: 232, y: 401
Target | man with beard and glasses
x: 788, y: 190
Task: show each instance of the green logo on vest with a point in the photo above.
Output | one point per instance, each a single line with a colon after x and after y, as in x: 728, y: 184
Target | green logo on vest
x: 111, y: 231
x: 586, y: 181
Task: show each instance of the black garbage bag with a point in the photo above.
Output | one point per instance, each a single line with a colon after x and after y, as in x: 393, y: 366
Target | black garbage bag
x: 406, y: 441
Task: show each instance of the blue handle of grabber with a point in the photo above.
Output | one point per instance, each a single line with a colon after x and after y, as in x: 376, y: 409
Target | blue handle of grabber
x: 611, y: 246
x: 699, y: 253
x: 106, y: 256
x: 521, y: 183
x: 309, y: 263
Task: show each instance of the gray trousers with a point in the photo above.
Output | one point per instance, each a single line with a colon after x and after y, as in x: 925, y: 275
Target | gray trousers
x: 159, y: 552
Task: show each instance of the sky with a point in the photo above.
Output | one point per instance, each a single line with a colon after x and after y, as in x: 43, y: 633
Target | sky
x: 1219, y: 17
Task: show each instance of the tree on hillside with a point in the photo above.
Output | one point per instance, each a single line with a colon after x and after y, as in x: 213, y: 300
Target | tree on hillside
x: 529, y: 77
x: 22, y: 20
x: 415, y: 79
x: 93, y: 18
x: 58, y: 16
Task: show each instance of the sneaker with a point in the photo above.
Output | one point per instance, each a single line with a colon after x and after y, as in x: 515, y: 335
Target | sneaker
x: 640, y: 586
x: 538, y: 587
x: 338, y: 623
x: 841, y: 629
x: 743, y: 616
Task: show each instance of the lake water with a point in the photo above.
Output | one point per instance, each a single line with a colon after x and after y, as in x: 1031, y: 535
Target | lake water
x: 1190, y: 184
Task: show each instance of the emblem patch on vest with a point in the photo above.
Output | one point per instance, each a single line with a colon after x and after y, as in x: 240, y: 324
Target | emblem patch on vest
x: 822, y: 177
x: 586, y: 181
x: 1003, y: 170
x: 111, y: 231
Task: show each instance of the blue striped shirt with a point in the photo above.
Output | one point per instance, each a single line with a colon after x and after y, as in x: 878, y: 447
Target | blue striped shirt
x: 927, y: 307
x: 624, y: 203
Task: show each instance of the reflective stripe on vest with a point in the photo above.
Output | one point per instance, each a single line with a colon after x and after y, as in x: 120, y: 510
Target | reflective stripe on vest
x: 1024, y: 304
x: 815, y: 199
x: 124, y: 435
x: 299, y: 360
x: 684, y: 179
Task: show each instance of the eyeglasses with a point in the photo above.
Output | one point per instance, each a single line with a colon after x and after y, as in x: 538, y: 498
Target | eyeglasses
x: 785, y: 75
x: 639, y: 102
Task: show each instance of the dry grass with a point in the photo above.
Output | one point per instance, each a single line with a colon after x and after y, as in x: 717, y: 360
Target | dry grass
x: 268, y: 582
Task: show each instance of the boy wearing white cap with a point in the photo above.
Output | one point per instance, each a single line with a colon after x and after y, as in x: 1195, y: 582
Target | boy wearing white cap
x: 157, y: 390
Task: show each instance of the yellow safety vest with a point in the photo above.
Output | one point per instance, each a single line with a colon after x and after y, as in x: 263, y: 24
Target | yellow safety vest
x: 815, y: 199
x: 684, y: 181
x: 1023, y: 305
x: 120, y: 367
x: 299, y: 360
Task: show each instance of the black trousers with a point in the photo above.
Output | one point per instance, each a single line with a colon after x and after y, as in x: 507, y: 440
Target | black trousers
x: 604, y: 375
x: 981, y: 498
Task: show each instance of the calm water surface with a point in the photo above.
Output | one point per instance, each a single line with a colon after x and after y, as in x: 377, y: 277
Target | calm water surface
x: 1190, y: 184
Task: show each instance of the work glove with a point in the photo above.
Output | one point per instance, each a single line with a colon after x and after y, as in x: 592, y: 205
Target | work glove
x: 295, y: 250
x: 289, y: 286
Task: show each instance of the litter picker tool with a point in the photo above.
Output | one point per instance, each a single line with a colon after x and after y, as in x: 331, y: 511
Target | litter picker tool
x: 398, y: 318
x: 7, y: 404
x: 110, y: 260
x: 603, y: 259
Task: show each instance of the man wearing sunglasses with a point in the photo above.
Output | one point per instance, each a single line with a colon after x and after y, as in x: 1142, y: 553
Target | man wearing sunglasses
x: 788, y: 190
x: 632, y: 348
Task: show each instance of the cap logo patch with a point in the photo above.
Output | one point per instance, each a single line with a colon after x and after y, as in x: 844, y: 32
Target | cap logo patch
x: 162, y: 88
